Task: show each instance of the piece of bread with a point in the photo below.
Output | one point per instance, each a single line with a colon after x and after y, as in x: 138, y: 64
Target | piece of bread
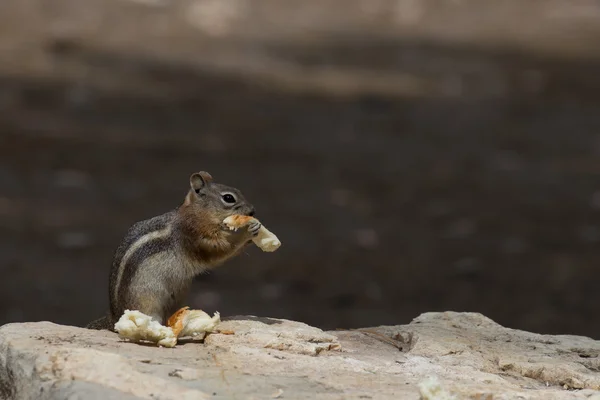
x: 139, y: 327
x: 265, y: 239
x: 136, y: 326
x: 237, y: 221
x: 186, y: 322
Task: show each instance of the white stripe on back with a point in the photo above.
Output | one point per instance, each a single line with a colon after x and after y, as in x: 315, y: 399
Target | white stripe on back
x: 149, y: 237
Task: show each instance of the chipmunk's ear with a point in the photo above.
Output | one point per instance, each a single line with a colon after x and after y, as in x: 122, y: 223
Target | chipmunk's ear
x: 200, y: 179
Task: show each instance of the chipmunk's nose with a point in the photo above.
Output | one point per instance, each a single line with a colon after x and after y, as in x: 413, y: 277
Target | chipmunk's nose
x: 252, y: 212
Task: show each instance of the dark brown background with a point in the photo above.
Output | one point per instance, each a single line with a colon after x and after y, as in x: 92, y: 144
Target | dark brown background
x: 412, y: 155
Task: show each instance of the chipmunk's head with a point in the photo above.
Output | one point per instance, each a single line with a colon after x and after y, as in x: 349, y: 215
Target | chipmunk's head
x: 218, y: 200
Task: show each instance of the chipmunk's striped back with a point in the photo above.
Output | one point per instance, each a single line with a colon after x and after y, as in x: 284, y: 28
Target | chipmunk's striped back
x: 143, y: 240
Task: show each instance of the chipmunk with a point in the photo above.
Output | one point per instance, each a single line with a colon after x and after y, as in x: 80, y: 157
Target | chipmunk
x: 154, y: 266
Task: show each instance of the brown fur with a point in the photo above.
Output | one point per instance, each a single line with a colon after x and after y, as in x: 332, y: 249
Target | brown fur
x: 205, y: 239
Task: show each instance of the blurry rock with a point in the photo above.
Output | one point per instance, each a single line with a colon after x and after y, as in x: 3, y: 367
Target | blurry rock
x: 595, y: 201
x: 340, y: 197
x: 373, y: 291
x: 467, y: 267
x: 78, y: 96
x: 153, y: 3
x: 409, y: 12
x: 71, y: 178
x: 366, y: 238
x: 514, y: 245
x: 5, y: 206
x: 507, y: 161
x: 271, y: 291
x: 461, y: 228
x: 589, y: 233
x: 74, y: 240
x: 215, y: 17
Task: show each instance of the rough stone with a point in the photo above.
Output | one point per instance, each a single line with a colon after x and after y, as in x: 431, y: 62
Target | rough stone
x: 437, y: 356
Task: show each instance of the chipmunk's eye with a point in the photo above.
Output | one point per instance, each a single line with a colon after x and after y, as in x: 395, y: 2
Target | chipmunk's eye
x: 228, y: 198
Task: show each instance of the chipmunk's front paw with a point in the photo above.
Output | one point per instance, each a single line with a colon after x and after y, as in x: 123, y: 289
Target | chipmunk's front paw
x: 254, y: 226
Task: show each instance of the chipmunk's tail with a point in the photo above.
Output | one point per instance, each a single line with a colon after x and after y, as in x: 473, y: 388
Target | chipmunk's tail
x: 101, y: 323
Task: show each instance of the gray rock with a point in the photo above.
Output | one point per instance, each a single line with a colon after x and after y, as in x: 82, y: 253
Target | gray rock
x: 456, y: 355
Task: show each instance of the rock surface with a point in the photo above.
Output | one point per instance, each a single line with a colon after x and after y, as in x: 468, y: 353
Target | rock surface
x: 464, y: 355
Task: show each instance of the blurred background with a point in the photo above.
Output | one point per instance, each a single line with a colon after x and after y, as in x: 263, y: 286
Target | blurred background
x: 412, y: 155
